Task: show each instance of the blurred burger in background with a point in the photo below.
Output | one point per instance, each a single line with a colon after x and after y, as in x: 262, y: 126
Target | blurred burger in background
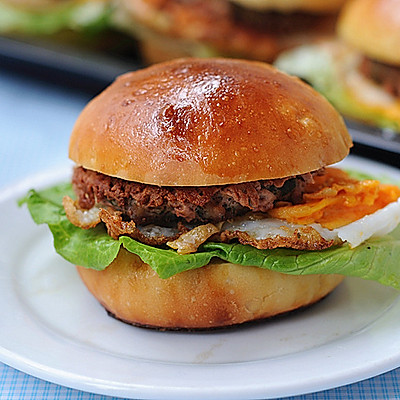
x: 360, y: 72
x: 80, y: 29
x: 251, y: 29
x: 47, y: 17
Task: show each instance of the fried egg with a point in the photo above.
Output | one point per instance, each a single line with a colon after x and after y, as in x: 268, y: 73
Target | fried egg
x: 377, y: 224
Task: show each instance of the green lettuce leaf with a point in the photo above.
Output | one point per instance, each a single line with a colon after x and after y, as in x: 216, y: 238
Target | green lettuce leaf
x: 325, y: 67
x: 376, y: 259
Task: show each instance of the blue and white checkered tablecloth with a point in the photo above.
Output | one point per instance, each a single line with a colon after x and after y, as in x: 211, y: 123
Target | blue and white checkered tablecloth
x: 36, y: 120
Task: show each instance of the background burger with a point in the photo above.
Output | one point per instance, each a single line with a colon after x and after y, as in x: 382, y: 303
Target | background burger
x: 360, y: 72
x: 35, y: 31
x: 48, y: 17
x: 201, y: 198
x: 256, y: 29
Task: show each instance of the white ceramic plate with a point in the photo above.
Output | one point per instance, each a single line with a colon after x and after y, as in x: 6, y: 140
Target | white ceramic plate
x: 53, y: 329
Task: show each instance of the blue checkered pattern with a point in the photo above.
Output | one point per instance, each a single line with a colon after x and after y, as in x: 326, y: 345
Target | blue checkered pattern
x: 15, y: 385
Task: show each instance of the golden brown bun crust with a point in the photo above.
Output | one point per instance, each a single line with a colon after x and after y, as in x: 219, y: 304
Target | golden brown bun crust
x: 220, y: 294
x: 314, y: 6
x: 195, y: 122
x: 373, y: 27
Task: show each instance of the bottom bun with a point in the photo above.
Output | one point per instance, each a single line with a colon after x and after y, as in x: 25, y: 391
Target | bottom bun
x: 218, y: 295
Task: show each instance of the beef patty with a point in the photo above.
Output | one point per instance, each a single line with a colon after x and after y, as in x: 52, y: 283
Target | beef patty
x: 166, y: 206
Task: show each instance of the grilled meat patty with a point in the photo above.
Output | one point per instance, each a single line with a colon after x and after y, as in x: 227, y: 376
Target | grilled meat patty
x: 165, y: 206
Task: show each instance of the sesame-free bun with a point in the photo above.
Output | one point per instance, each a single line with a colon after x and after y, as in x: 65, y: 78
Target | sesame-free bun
x: 197, y: 122
x: 372, y: 27
x: 312, y: 6
x: 217, y: 295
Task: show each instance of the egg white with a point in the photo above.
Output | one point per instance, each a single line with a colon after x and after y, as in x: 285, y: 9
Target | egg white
x: 377, y: 224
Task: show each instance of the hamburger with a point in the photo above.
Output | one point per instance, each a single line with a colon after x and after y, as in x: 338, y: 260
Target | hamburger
x: 256, y: 29
x: 202, y: 197
x: 360, y: 71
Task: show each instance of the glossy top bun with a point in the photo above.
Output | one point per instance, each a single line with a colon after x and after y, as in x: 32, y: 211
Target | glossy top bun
x: 373, y: 27
x: 313, y: 6
x: 196, y: 122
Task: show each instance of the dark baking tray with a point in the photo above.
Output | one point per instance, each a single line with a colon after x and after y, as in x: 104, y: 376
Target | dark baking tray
x: 379, y: 144
x: 65, y: 64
